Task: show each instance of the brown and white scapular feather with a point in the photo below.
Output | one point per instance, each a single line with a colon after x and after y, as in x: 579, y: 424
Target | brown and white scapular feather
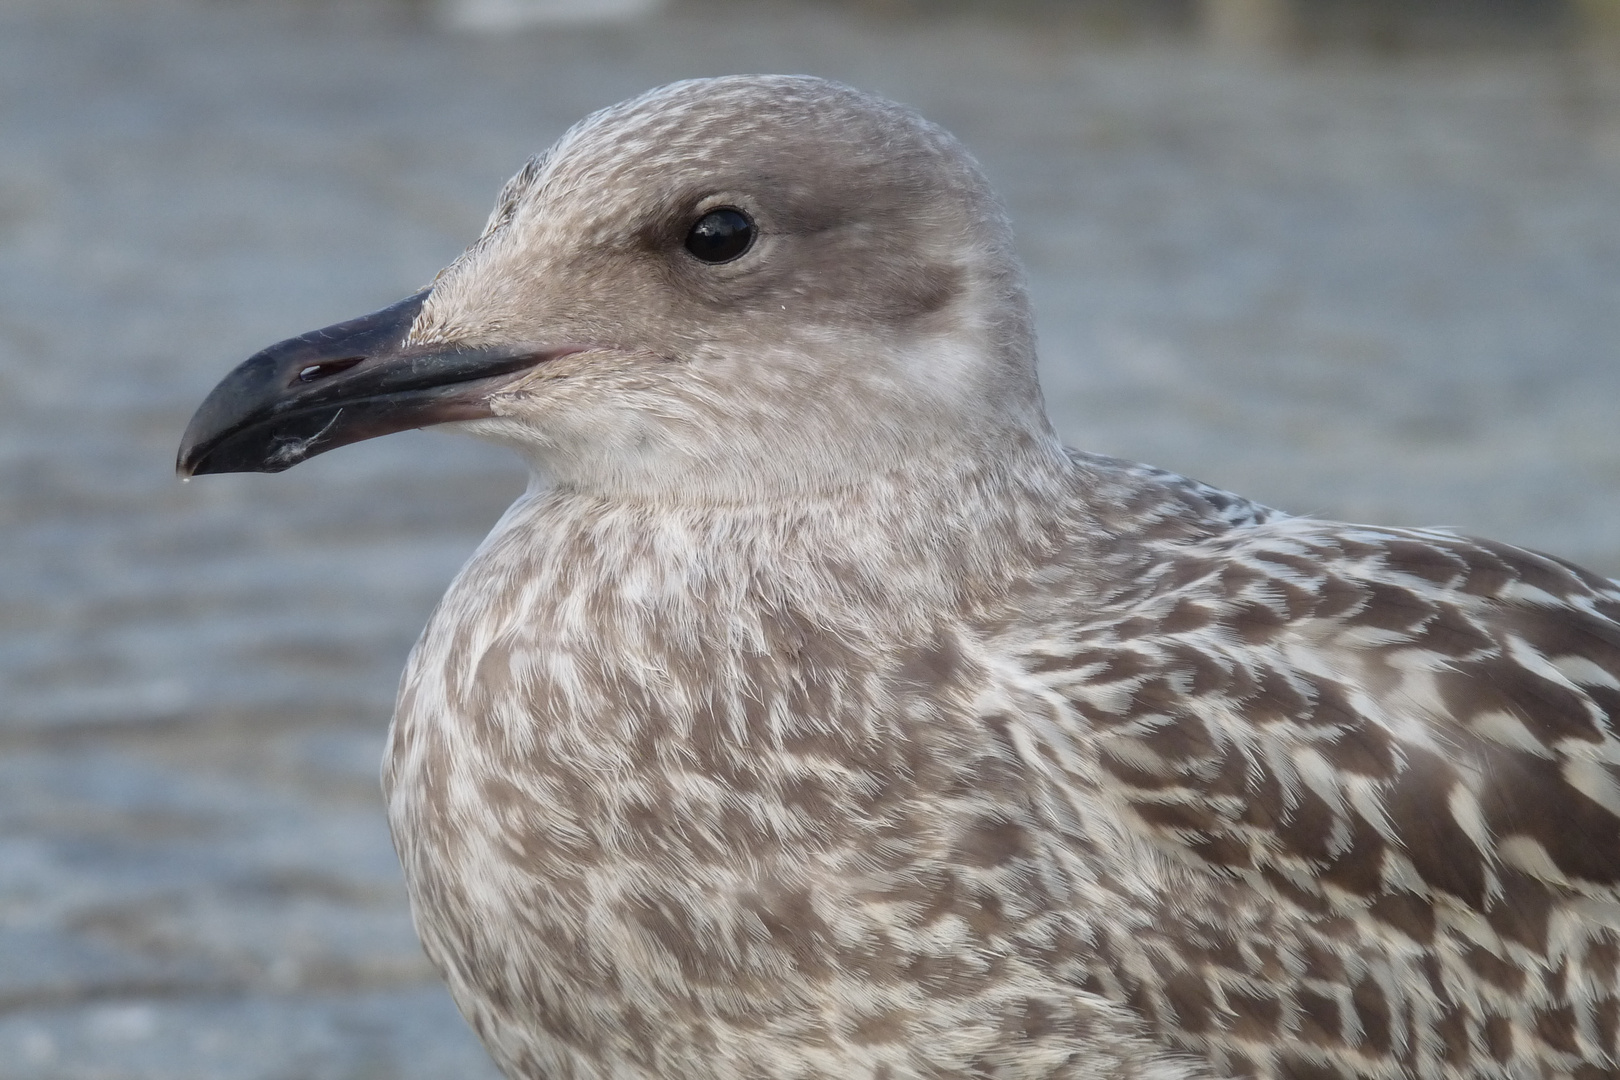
x: 817, y: 715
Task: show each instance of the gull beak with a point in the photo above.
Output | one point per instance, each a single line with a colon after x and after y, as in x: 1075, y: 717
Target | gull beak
x: 351, y: 381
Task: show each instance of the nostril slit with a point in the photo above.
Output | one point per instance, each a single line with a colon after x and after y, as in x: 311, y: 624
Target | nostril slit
x: 327, y: 368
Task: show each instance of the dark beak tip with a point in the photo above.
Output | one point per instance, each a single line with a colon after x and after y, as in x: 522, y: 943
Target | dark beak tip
x: 245, y: 423
x: 185, y: 468
x: 186, y: 458
x: 196, y: 456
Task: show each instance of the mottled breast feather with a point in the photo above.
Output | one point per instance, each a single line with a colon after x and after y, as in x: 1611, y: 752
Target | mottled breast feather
x: 696, y: 796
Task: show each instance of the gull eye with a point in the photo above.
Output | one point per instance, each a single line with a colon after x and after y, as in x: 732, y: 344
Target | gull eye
x: 721, y: 235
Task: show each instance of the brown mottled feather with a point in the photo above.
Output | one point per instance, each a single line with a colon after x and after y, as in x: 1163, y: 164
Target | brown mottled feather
x: 816, y: 715
x: 1395, y: 747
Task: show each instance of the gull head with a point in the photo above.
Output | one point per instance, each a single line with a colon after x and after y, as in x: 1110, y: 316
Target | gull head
x: 740, y: 285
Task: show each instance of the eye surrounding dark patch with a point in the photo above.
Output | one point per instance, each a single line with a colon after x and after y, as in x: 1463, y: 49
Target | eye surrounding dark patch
x: 721, y: 235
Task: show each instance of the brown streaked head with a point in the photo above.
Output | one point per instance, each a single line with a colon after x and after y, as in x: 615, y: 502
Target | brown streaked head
x: 749, y: 280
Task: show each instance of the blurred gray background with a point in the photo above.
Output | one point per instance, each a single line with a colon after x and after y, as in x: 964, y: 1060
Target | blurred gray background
x: 1351, y: 258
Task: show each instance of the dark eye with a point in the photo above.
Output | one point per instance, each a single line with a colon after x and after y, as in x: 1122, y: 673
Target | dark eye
x: 721, y: 235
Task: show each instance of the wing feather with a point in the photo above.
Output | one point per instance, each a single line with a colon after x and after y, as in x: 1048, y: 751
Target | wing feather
x: 1398, y: 744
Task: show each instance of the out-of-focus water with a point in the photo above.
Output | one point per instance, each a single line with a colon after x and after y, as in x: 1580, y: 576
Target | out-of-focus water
x: 1356, y: 268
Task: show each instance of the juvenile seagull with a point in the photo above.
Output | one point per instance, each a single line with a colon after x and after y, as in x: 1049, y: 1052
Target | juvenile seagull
x: 816, y: 714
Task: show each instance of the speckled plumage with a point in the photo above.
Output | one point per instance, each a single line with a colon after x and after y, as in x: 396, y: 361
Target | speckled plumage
x: 817, y: 715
